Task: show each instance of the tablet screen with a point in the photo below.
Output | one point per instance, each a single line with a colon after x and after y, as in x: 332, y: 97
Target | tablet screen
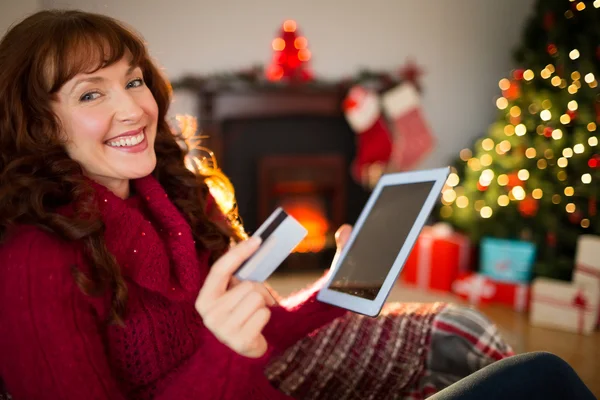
x: 383, y: 233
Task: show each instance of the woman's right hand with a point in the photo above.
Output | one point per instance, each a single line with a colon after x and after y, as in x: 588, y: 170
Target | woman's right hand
x: 235, y: 315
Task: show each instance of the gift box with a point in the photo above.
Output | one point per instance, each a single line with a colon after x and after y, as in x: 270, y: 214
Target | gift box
x: 567, y: 306
x: 437, y: 259
x: 507, y: 260
x: 587, y: 262
x: 480, y: 289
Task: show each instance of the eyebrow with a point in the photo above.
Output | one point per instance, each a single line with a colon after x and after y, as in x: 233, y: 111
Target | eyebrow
x: 96, y: 79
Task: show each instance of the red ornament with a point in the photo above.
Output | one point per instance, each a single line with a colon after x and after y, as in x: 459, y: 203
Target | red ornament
x: 291, y: 55
x: 548, y: 132
x: 411, y: 72
x: 593, y: 163
x: 552, y: 50
x: 528, y: 207
x: 481, y: 188
x: 518, y: 74
x: 513, y: 180
x: 514, y: 90
x: 572, y: 115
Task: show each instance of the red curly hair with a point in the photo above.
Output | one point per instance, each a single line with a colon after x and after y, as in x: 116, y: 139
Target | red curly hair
x: 37, y: 177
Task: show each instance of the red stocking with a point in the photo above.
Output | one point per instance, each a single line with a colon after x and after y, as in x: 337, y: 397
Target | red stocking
x: 412, y: 136
x: 374, y: 143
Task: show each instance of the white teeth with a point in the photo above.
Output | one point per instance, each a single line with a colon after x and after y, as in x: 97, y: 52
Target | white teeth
x: 130, y: 141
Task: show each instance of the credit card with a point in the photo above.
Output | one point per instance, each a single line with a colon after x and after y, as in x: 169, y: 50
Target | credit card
x: 280, y: 235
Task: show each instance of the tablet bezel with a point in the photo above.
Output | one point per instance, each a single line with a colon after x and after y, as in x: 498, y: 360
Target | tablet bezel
x: 373, y: 307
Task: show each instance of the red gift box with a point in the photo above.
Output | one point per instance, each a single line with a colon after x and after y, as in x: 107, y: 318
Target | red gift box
x: 437, y: 259
x: 480, y: 289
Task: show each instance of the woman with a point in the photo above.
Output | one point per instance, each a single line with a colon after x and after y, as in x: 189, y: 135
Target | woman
x: 115, y: 262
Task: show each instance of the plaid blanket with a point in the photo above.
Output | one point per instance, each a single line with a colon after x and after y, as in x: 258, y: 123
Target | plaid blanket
x: 410, y: 351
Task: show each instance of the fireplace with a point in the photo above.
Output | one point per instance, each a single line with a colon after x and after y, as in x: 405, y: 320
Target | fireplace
x: 286, y: 147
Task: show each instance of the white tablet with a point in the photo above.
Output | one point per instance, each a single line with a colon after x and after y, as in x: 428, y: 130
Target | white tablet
x: 382, y: 239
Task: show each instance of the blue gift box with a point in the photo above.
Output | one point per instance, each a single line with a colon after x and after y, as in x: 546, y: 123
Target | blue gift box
x: 507, y: 260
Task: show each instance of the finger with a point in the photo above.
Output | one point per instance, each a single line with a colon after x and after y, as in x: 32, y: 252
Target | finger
x: 239, y: 315
x: 221, y: 272
x: 256, y: 344
x: 342, y: 235
x: 227, y: 302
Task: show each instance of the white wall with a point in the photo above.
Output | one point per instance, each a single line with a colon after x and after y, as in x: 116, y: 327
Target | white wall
x: 12, y: 11
x: 463, y: 45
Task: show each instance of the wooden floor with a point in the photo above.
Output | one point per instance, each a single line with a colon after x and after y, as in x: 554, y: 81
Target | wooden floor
x: 581, y: 352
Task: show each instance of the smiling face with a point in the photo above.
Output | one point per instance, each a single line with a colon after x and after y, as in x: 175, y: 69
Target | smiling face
x: 109, y: 119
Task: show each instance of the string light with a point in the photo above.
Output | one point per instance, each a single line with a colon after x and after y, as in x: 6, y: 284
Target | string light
x: 589, y: 78
x: 556, y: 199
x: 530, y: 153
x: 547, y: 104
x: 486, y: 212
x: 575, y: 75
x: 594, y: 84
x: 528, y: 75
x: 545, y: 115
x: 509, y: 130
x: 518, y: 192
x: 533, y: 109
x: 487, y: 144
x: 578, y: 84
x: 557, y: 134
x: 466, y: 154
x: 593, y: 141
x: 499, y: 149
x: 449, y: 196
x: 474, y: 164
x: 585, y: 223
x: 505, y: 146
x: 569, y: 14
x: 572, y: 105
x: 523, y: 174
x: 562, y: 176
x: 540, y: 129
x: 446, y: 212
x: 586, y: 178
x: 502, y: 180
x: 502, y: 103
x: 555, y: 81
x: 597, y: 3
x: 504, y: 84
x: 562, y: 162
x: 550, y: 68
x: 579, y: 148
x: 515, y: 111
x: 591, y: 126
x: 572, y: 89
x: 462, y: 202
x: 542, y: 164
x: 565, y: 119
x: 486, y: 160
x: 567, y: 152
x: 452, y: 180
x: 569, y: 191
x: 570, y: 208
x: 520, y: 130
x: 580, y: 6
x: 574, y: 54
x: 548, y: 153
x: 563, y: 83
x: 545, y: 73
x: 503, y: 200
x: 537, y: 194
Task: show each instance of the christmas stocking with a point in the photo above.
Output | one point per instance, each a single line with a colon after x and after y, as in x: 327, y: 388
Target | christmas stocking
x: 412, y: 136
x: 374, y: 143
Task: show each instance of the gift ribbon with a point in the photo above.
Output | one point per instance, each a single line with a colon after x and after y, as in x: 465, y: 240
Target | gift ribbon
x: 579, y: 301
x: 587, y: 270
x: 475, y: 287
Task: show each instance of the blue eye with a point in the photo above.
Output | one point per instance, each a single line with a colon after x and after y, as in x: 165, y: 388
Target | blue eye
x: 89, y: 96
x: 135, y: 83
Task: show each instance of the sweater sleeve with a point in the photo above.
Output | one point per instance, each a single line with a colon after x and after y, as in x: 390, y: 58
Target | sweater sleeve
x: 298, y: 315
x: 51, y: 343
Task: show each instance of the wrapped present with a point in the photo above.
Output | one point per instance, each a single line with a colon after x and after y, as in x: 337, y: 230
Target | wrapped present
x: 567, y: 306
x: 480, y: 289
x: 507, y: 260
x: 587, y: 261
x: 475, y: 288
x: 437, y: 259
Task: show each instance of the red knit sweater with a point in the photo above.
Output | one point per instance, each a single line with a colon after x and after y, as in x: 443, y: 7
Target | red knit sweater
x: 53, y: 339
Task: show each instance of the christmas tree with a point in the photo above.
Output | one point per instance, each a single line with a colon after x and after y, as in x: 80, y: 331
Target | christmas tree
x: 535, y: 176
x: 290, y: 55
